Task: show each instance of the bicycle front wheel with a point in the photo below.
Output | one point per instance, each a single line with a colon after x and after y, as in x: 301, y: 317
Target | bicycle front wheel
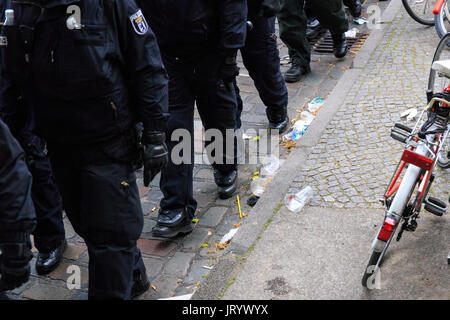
x: 437, y: 83
x: 420, y: 10
x: 442, y: 20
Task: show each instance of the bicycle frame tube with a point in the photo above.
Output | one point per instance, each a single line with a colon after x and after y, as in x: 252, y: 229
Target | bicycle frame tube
x: 438, y: 6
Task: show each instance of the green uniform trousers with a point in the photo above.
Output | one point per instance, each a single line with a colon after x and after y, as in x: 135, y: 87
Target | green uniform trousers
x: 292, y: 22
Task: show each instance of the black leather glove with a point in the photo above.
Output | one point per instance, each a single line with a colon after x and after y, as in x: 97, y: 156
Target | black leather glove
x: 14, y: 265
x: 154, y: 155
x: 270, y: 8
x: 229, y: 70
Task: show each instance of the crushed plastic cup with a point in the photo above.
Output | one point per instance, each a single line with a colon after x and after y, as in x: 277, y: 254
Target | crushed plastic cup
x: 270, y: 165
x: 352, y: 33
x: 258, y: 186
x: 315, y: 105
x: 296, y: 201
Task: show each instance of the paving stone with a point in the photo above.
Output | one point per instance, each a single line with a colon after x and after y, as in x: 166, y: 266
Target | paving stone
x: 198, y: 271
x: 160, y: 248
x: 40, y: 291
x: 179, y: 264
x: 153, y: 266
x: 195, y: 239
x: 61, y: 273
x: 163, y: 286
x: 73, y: 251
x: 212, y: 217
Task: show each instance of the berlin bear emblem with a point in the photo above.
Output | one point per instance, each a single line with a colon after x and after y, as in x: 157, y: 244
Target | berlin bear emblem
x: 139, y: 23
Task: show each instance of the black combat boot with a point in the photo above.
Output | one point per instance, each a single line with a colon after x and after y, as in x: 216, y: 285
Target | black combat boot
x: 172, y: 223
x: 340, y: 45
x: 295, y: 72
x: 140, y: 284
x: 226, y: 183
x: 47, y: 262
x: 354, y: 6
x: 313, y: 28
x: 278, y: 119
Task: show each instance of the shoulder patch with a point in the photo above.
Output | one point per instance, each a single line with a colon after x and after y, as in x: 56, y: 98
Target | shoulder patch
x: 139, y: 23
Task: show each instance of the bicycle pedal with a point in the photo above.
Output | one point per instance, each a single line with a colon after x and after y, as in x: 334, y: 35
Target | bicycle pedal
x: 435, y: 206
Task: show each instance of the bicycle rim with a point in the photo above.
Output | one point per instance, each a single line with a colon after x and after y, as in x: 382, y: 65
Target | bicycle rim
x: 420, y: 10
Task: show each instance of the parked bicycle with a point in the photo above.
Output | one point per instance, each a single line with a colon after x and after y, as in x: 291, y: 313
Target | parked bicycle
x: 426, y: 145
x: 441, y: 13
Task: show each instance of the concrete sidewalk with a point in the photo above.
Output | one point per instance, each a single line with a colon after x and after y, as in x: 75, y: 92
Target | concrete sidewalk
x: 347, y: 157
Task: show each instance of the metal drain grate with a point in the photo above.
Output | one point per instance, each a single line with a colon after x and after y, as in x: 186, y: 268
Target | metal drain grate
x: 323, y: 44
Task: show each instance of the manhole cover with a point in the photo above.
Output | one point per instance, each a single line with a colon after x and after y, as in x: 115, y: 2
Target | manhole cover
x: 323, y: 44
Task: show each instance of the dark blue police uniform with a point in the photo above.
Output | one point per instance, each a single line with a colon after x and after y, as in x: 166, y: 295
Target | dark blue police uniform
x: 88, y: 83
x: 261, y: 58
x: 195, y: 38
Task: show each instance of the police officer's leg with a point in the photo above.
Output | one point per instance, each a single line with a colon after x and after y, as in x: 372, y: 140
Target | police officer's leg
x: 217, y: 106
x: 331, y: 15
x: 293, y: 21
x: 178, y: 205
x: 261, y: 58
x: 112, y: 221
x: 240, y: 105
x: 49, y: 235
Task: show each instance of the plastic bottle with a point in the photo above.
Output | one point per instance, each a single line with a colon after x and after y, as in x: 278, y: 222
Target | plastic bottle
x: 9, y: 17
x: 296, y: 202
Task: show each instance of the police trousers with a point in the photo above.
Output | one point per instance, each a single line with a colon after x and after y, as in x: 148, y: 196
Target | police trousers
x: 101, y: 199
x: 261, y: 58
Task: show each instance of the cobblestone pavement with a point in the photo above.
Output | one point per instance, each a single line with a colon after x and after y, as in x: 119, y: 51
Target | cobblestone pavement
x: 177, y: 266
x: 356, y: 157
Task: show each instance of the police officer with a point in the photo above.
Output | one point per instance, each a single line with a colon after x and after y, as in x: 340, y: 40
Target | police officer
x: 91, y: 69
x: 261, y: 58
x: 199, y: 41
x: 293, y: 23
x: 17, y: 216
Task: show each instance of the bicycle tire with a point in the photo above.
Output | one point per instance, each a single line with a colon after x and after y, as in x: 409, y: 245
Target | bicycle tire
x: 442, y: 47
x: 440, y: 21
x: 413, y: 13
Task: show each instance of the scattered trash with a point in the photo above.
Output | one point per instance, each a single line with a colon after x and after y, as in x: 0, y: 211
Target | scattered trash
x: 252, y: 200
x: 227, y: 238
x: 410, y: 114
x: 195, y: 220
x: 352, y: 33
x: 359, y: 21
x: 296, y: 202
x: 208, y: 267
x: 154, y: 287
x: 315, y: 105
x: 205, y: 245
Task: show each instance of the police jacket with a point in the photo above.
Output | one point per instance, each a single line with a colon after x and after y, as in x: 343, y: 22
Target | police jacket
x: 17, y: 216
x: 190, y: 26
x: 89, y: 68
